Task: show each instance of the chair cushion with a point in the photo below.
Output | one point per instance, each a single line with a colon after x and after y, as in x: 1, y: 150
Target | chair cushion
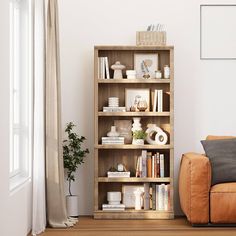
x: 223, y: 203
x: 222, y: 155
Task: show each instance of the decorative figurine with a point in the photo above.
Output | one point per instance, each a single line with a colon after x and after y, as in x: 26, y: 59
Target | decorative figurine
x: 117, y: 67
x: 113, y: 132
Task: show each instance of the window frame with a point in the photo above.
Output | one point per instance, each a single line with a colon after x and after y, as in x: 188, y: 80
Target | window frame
x: 21, y: 92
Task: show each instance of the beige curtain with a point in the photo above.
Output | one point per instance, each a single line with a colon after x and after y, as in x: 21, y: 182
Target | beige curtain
x: 55, y: 196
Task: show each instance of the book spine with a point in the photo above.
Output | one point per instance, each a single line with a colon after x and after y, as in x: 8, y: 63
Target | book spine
x: 146, y: 196
x: 154, y: 197
x: 162, y: 174
x: 144, y: 163
x: 103, y: 68
x: 137, y: 168
x: 161, y: 195
x: 160, y: 101
x: 107, y: 68
x: 166, y: 198
x: 155, y: 166
x: 99, y: 68
x: 149, y: 165
x: 158, y: 164
x: 153, y: 161
x: 155, y: 101
x: 157, y: 196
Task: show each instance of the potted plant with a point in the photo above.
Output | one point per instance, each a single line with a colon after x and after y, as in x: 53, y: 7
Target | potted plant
x: 139, y: 137
x: 73, y: 156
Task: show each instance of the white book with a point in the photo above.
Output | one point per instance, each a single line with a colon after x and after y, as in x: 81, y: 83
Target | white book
x: 113, y: 209
x: 160, y: 101
x: 144, y: 163
x: 107, y: 68
x: 161, y: 195
x: 166, y: 198
x: 155, y: 101
x: 118, y: 174
x: 113, y: 205
x: 113, y: 138
x: 157, y: 196
x: 99, y: 68
x: 103, y: 68
x: 162, y: 172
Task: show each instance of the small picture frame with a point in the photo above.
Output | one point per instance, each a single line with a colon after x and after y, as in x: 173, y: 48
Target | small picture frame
x: 134, y: 95
x: 128, y: 192
x: 123, y: 127
x: 145, y: 65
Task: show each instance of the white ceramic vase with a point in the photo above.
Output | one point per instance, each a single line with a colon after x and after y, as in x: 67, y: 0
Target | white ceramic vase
x: 72, y: 205
x: 136, y: 126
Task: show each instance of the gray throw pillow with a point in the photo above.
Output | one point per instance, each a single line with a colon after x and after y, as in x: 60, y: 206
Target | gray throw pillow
x: 222, y: 155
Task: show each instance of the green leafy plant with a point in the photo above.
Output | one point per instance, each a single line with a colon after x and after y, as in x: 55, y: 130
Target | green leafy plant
x: 73, y: 154
x: 139, y: 134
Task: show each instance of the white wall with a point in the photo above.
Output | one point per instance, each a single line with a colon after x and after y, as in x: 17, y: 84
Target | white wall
x: 205, y: 97
x: 15, y: 209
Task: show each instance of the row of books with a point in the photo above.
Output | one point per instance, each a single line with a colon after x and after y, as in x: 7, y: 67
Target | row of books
x: 103, y: 68
x: 113, y: 140
x: 150, y: 165
x: 157, y: 197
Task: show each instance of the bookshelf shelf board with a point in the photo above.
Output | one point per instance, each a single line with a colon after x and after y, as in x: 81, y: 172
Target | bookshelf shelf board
x: 134, y: 81
x: 134, y: 214
x: 134, y: 113
x: 131, y: 146
x: 134, y: 180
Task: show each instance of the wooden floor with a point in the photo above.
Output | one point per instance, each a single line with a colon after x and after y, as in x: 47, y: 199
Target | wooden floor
x: 87, y: 226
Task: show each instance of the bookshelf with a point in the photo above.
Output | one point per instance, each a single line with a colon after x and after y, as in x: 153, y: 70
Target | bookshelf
x: 107, y: 155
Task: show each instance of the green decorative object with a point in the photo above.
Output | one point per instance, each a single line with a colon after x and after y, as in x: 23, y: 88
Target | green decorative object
x: 139, y: 134
x: 73, y: 154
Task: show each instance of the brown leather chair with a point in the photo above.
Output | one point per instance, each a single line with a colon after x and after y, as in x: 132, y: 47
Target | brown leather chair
x: 201, y: 202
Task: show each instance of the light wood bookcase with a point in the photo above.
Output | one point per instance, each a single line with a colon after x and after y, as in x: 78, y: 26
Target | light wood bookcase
x: 106, y: 156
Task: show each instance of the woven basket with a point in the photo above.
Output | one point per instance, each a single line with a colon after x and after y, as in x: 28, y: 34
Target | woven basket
x: 151, y: 38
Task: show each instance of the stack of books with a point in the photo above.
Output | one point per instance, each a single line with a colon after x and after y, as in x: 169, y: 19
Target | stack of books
x: 150, y: 165
x: 103, y: 68
x: 113, y: 140
x: 114, y: 109
x: 113, y: 207
x: 118, y: 174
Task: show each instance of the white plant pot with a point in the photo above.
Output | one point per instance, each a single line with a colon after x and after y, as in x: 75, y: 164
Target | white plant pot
x: 138, y: 141
x: 72, y: 205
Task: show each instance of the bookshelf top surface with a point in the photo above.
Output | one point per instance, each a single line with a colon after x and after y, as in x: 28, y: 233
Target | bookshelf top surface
x: 131, y: 47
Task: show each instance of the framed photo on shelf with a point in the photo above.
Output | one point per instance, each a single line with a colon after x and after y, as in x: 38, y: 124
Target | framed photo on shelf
x: 128, y: 192
x: 124, y: 127
x: 145, y: 65
x: 134, y: 96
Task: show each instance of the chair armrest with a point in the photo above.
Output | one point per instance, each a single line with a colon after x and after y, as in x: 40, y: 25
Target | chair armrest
x: 194, y: 187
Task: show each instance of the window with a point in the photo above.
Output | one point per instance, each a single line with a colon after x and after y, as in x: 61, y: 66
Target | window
x: 21, y: 98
